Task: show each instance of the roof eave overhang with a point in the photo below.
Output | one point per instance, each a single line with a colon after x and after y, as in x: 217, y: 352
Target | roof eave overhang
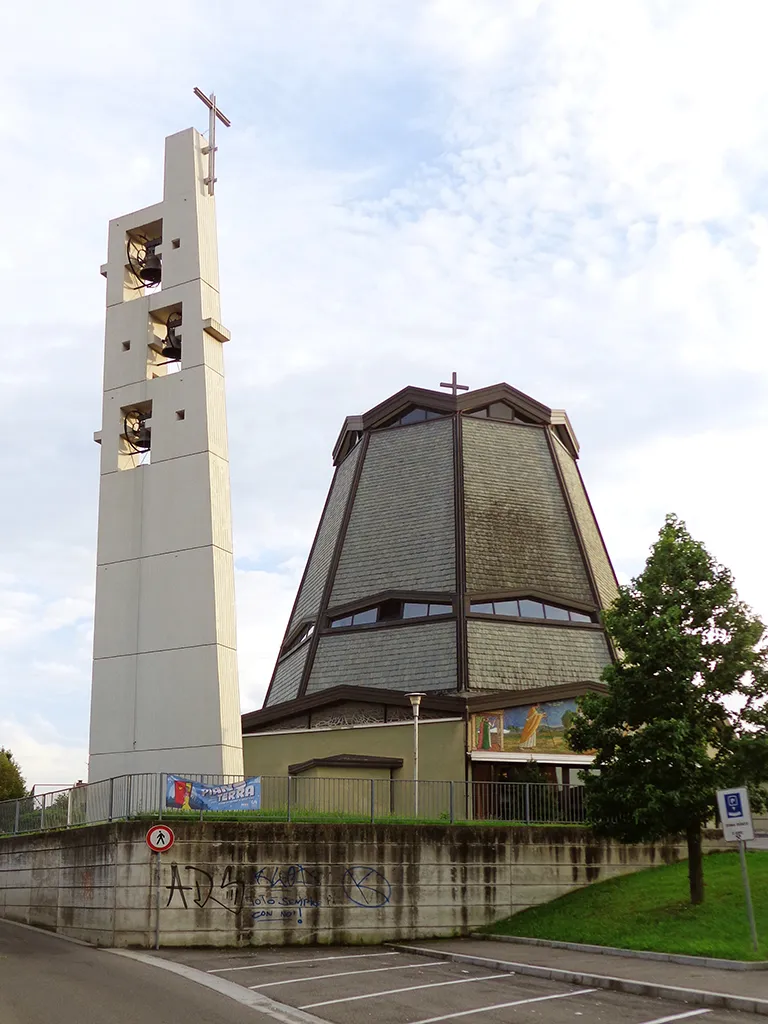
x: 346, y: 761
x: 447, y: 404
x: 563, y: 428
x: 255, y: 720
x: 539, y: 695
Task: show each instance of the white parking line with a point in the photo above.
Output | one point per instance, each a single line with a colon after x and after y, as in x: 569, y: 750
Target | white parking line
x: 676, y: 1016
x: 503, y: 1006
x: 306, y: 960
x: 410, y: 988
x: 344, y: 974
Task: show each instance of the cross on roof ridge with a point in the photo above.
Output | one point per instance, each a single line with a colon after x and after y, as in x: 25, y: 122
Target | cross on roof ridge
x: 455, y: 388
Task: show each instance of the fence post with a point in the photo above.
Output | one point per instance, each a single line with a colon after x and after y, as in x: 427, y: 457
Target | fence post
x: 373, y: 797
x: 450, y: 800
x: 16, y: 819
x: 111, y: 798
x: 290, y: 778
x: 42, y: 814
x: 160, y: 796
x: 527, y: 802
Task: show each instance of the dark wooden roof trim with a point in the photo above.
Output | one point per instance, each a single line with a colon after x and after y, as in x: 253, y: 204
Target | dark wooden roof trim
x: 452, y: 705
x: 288, y: 630
x: 346, y: 761
x: 599, y: 531
x: 538, y: 412
x: 352, y: 425
x: 551, y: 442
x: 438, y: 401
x: 459, y: 527
x: 518, y: 620
x: 538, y: 695
x: 564, y: 431
x: 344, y: 694
x: 334, y: 564
x: 405, y: 399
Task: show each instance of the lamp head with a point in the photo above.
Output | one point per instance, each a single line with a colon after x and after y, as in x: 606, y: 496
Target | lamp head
x: 415, y: 698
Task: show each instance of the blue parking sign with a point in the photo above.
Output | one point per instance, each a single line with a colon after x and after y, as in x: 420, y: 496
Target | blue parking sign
x: 733, y: 805
x: 735, y: 816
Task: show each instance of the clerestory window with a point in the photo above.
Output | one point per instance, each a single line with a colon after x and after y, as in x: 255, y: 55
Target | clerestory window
x: 392, y: 611
x: 526, y: 608
x: 416, y: 416
x: 494, y: 411
x: 305, y: 634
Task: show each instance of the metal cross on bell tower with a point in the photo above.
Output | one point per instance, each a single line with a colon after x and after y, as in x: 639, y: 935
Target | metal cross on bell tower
x: 210, y: 149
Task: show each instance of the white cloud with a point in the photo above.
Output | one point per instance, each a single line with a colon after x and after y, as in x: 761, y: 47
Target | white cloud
x: 40, y: 750
x: 566, y: 196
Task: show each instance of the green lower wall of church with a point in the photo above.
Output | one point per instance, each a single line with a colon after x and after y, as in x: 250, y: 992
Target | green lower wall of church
x: 442, y: 747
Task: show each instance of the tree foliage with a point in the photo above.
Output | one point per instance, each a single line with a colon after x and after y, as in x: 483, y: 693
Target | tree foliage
x: 685, y: 713
x: 12, y: 785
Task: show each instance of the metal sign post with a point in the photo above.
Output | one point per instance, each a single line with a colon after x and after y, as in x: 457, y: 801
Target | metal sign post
x: 748, y: 892
x: 159, y: 839
x: 157, y: 899
x: 736, y: 820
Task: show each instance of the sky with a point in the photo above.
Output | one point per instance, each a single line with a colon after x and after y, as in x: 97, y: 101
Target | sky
x: 570, y: 197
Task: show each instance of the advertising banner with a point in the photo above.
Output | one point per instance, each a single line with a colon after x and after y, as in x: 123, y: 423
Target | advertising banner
x: 186, y: 795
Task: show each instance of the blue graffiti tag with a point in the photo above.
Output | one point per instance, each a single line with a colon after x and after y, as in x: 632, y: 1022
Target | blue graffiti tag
x: 366, y: 887
x: 286, y: 876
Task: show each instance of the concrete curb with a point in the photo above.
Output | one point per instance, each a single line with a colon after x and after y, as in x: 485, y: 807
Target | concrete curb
x: 639, y: 954
x: 46, y: 931
x: 693, y: 997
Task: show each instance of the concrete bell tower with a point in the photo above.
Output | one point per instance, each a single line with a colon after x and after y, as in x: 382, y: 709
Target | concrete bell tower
x: 165, y: 689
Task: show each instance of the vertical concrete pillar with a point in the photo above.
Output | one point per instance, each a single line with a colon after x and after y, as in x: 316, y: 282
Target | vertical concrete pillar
x: 165, y: 688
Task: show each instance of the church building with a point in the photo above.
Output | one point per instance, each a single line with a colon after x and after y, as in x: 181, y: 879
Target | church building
x: 457, y: 556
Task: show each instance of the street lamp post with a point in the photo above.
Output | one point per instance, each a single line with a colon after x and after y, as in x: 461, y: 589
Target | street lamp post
x: 415, y: 699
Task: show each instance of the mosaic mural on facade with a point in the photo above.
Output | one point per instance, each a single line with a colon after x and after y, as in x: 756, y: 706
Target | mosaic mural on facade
x: 536, y: 728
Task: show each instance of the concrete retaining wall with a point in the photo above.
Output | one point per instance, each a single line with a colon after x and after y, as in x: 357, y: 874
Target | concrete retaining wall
x: 230, y: 884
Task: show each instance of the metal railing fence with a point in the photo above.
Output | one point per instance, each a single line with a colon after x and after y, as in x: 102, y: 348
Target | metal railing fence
x: 303, y: 798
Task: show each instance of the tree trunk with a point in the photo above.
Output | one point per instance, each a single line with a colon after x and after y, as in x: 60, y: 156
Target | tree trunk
x: 695, y: 863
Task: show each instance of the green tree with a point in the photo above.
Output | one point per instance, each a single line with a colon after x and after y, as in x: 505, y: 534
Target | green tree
x: 12, y: 785
x: 685, y: 713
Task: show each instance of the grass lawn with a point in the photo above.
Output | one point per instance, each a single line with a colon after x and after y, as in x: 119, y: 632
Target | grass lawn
x: 650, y: 910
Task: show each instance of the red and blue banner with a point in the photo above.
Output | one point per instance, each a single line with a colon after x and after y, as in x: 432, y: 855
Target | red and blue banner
x: 186, y: 795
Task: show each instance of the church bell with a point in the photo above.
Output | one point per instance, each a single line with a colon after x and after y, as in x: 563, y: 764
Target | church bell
x: 171, y: 349
x: 151, y: 269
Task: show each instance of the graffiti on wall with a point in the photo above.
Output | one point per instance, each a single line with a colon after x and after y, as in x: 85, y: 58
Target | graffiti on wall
x: 277, y: 893
x: 530, y: 727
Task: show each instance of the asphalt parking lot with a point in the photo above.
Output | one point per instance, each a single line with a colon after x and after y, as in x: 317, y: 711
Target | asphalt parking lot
x: 345, y: 985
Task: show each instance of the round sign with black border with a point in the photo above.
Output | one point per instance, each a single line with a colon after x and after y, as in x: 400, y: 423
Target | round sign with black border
x: 160, y: 838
